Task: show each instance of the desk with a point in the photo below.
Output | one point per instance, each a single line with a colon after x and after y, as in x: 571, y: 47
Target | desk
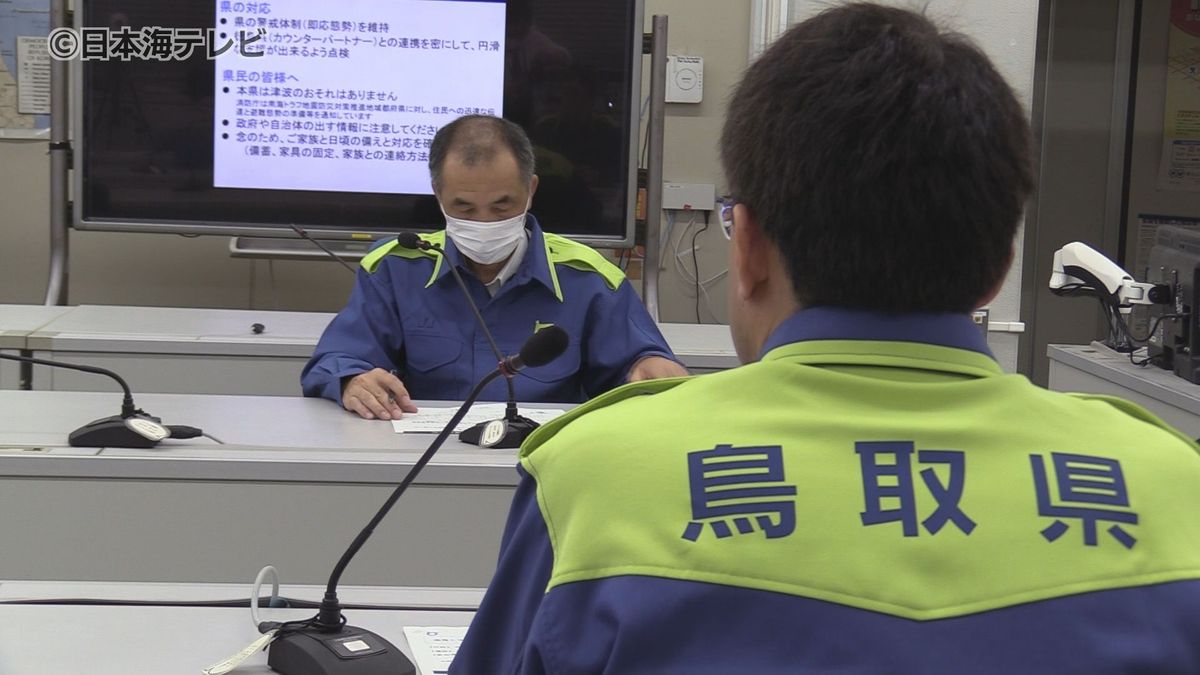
x: 169, y: 639
x: 1096, y: 369
x: 296, y: 480
x: 173, y: 350
x: 701, y: 347
x: 16, y: 323
x: 213, y: 351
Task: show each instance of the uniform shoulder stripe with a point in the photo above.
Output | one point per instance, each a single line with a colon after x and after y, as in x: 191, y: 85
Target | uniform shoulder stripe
x: 392, y: 247
x: 563, y: 251
x: 647, y: 388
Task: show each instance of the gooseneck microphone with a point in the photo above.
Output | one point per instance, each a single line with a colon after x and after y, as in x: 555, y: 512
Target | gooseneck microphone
x: 133, y: 428
x: 324, y: 644
x: 545, y: 346
x: 412, y: 241
x: 512, y: 429
x: 304, y: 235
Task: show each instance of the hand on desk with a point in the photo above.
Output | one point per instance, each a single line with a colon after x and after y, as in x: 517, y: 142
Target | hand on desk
x: 377, y: 394
x: 656, y: 368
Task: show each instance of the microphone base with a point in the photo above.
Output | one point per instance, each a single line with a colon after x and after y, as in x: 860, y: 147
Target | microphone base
x: 504, y: 433
x: 348, y: 651
x: 109, y: 432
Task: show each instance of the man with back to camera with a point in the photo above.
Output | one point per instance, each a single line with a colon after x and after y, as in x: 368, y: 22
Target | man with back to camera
x: 871, y: 493
x: 406, y: 313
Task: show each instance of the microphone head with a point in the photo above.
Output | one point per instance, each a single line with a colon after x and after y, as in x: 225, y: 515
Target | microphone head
x: 545, y: 346
x: 410, y: 240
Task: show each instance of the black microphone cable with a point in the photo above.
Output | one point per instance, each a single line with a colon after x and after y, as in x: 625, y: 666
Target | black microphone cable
x: 411, y: 240
x: 128, y: 409
x: 542, y: 348
x: 331, y: 254
x: 329, y: 618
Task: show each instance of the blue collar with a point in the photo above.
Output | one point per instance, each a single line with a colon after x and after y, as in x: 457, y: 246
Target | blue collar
x: 829, y: 323
x: 535, y: 265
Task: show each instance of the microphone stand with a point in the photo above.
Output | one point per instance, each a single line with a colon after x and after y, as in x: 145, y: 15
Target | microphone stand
x: 133, y: 428
x: 324, y: 644
x: 513, y: 428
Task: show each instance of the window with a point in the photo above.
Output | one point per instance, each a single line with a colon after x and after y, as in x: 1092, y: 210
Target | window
x: 768, y: 20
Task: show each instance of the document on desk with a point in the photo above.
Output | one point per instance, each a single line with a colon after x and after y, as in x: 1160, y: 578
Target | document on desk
x: 431, y: 420
x: 433, y: 648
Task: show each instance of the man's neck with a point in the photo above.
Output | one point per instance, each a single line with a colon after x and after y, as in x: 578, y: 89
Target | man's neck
x: 770, y: 317
x: 486, y: 273
x: 502, y: 270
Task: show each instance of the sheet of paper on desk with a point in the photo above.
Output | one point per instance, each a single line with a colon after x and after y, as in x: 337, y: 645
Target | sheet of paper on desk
x: 431, y: 420
x: 434, y: 647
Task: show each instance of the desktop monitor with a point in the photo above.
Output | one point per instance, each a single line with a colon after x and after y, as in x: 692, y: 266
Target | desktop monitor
x: 1175, y: 261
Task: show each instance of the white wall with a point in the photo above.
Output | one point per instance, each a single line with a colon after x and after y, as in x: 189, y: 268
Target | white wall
x: 719, y: 31
x: 139, y: 269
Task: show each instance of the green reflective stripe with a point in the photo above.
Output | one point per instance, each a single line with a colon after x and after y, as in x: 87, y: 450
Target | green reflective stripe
x: 547, y: 430
x: 437, y: 268
x: 613, y: 484
x: 438, y: 239
x: 371, y: 261
x: 550, y: 263
x: 563, y: 251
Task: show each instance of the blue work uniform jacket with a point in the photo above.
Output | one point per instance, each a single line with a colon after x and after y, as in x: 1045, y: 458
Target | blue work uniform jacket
x: 873, y: 496
x: 407, y: 314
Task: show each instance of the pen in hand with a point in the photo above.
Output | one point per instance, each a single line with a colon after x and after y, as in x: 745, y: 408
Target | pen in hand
x: 377, y: 394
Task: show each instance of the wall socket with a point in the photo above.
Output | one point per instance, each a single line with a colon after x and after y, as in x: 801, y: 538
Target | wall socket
x: 980, y: 316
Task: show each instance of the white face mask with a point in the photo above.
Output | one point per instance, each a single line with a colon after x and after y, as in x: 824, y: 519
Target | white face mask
x: 486, y: 243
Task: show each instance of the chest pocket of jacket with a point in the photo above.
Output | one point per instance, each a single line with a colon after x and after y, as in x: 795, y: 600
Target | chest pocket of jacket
x: 562, y: 368
x: 427, y: 352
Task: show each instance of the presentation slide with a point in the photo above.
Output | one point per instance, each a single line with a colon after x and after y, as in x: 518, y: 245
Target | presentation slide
x: 347, y: 96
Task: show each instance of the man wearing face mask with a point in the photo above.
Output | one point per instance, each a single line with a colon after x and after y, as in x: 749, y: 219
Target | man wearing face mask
x: 406, y: 332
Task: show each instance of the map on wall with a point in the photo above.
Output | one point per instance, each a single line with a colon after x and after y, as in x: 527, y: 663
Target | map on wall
x: 24, y: 68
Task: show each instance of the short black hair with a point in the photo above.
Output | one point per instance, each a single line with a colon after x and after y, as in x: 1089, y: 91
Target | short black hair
x: 479, y: 138
x: 888, y: 161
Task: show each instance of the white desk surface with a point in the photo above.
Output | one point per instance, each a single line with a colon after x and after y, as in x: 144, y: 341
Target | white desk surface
x: 1151, y: 381
x: 276, y: 438
x: 170, y: 640
x: 99, y: 514
x: 18, y: 321
x: 1096, y: 369
x: 227, y: 332
x: 182, y: 331
x: 701, y: 345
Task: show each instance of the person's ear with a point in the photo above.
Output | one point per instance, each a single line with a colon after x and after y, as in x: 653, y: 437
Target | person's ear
x: 749, y: 254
